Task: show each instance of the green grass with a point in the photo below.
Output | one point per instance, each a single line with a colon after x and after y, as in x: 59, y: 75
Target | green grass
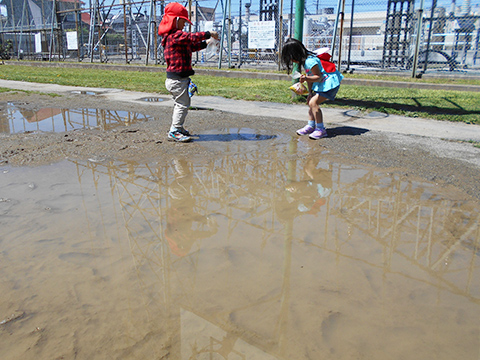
x: 430, y: 80
x: 433, y: 104
x: 474, y: 143
x: 3, y: 90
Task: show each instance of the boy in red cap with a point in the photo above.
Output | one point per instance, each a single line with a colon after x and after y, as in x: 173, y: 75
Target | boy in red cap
x: 178, y: 47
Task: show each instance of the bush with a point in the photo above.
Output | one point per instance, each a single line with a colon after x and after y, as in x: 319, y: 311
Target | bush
x: 5, y: 50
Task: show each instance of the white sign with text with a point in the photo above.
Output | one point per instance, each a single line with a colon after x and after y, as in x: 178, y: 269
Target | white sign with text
x: 72, y: 41
x: 261, y: 34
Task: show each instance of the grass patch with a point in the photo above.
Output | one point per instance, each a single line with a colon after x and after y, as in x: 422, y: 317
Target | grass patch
x: 474, y: 143
x: 428, y: 80
x: 3, y: 90
x: 434, y: 104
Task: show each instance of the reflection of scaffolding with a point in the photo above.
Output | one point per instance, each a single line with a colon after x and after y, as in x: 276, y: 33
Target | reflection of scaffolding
x: 15, y: 119
x: 424, y: 233
x: 398, y: 217
x: 143, y: 192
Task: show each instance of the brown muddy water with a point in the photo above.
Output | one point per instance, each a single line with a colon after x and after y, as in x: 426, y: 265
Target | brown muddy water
x: 245, y: 256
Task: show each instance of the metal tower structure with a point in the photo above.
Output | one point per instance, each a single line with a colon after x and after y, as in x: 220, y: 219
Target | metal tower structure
x: 398, y: 32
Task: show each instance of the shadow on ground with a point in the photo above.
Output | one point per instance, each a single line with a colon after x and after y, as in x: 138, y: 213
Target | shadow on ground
x: 233, y: 137
x: 405, y: 108
x: 345, y: 131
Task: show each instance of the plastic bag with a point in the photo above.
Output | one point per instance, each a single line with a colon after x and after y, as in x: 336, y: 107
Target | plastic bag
x: 212, y: 49
x: 296, y: 75
x: 299, y: 88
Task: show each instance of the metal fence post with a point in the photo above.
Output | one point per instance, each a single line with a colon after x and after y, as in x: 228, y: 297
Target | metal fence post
x: 223, y: 34
x: 335, y: 27
x: 298, y: 34
x: 280, y: 33
x: 299, y: 15
x: 417, y: 40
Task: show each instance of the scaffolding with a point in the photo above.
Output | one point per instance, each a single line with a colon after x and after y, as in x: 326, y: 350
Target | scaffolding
x: 57, y: 29
x: 393, y: 35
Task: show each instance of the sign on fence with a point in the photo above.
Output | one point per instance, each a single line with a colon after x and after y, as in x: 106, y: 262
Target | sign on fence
x: 261, y: 34
x: 38, y: 42
x: 72, y: 42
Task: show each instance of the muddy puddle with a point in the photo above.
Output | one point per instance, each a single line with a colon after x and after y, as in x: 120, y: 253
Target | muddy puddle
x: 247, y: 256
x: 15, y: 118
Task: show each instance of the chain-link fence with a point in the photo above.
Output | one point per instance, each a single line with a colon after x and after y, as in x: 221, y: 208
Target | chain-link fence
x: 369, y: 35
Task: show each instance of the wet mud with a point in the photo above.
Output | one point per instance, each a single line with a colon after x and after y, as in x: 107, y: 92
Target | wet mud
x: 248, y: 243
x: 116, y: 130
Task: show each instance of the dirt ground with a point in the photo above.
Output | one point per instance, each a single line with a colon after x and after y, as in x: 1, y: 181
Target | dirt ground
x: 434, y: 160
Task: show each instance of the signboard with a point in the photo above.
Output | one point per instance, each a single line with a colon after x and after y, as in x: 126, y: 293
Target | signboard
x: 208, y: 25
x: 72, y: 43
x: 261, y: 34
x: 38, y: 43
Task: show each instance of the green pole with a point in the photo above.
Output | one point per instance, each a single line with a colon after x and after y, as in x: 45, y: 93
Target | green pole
x: 298, y: 34
x: 299, y: 15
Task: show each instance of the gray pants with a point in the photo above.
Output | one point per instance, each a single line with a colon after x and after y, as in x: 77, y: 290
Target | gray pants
x: 179, y: 91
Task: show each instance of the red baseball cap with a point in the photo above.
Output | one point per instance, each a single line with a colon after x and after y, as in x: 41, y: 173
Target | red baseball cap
x: 169, y: 21
x: 177, y: 10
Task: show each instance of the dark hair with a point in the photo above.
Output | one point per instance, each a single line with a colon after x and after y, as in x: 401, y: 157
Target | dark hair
x: 294, y: 50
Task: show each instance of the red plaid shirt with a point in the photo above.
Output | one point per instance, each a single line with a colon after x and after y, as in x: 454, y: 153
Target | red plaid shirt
x: 178, y: 47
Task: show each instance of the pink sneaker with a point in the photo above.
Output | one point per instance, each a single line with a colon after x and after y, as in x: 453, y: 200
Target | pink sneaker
x: 307, y: 129
x: 318, y: 134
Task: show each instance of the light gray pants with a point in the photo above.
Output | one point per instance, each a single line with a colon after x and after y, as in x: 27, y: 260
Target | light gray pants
x: 179, y: 91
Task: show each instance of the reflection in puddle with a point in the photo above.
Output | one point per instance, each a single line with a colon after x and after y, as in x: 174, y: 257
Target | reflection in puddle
x: 248, y: 256
x: 151, y: 99
x: 17, y: 119
x: 83, y: 92
x: 234, y: 134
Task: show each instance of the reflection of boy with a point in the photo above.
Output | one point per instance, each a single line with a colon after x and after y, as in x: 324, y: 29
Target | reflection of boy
x: 184, y: 224
x: 310, y: 194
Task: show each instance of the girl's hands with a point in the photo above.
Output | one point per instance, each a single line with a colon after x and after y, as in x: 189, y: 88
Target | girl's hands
x: 303, y: 78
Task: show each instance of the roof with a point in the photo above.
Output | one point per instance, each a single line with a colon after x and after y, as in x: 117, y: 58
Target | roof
x: 85, y: 17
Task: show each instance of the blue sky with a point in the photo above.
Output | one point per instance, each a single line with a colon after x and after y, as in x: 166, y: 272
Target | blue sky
x: 311, y: 5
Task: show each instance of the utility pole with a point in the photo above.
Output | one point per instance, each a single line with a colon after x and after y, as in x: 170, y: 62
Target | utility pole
x: 299, y: 15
